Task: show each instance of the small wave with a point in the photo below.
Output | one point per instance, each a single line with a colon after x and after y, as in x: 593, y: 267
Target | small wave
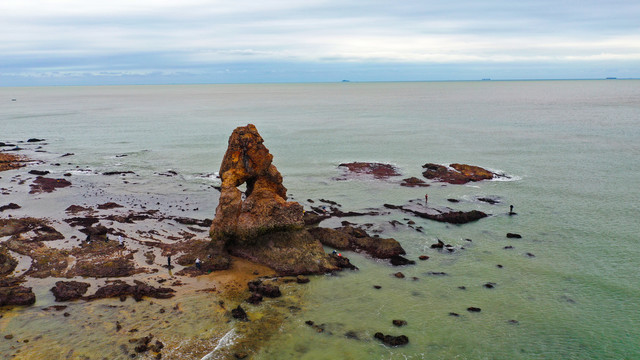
x: 225, y: 341
x: 506, y: 177
x: 503, y: 176
x: 82, y: 172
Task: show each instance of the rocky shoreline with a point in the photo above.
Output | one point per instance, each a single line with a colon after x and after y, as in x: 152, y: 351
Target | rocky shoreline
x: 113, y: 251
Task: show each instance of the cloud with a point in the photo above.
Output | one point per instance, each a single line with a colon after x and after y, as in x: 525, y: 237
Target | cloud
x: 145, y: 36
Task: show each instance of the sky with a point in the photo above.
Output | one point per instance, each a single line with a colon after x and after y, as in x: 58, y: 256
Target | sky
x: 104, y: 42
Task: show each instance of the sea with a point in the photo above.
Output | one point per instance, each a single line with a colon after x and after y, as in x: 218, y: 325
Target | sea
x: 569, y: 288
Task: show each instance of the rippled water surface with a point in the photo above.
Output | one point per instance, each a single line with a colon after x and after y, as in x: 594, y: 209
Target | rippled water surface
x: 568, y: 289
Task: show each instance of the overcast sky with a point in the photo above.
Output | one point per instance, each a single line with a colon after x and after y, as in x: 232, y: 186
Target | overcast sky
x: 60, y: 42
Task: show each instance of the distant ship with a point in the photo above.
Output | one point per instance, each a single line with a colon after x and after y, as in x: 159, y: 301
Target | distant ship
x: 486, y: 79
x: 612, y: 78
x: 346, y: 80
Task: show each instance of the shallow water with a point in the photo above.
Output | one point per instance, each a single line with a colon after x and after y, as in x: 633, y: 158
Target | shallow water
x: 570, y: 146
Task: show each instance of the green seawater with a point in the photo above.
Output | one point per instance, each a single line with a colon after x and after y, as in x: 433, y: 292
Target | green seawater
x: 570, y: 148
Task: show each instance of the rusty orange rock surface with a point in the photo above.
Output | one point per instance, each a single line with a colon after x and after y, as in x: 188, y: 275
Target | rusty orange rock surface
x: 263, y: 206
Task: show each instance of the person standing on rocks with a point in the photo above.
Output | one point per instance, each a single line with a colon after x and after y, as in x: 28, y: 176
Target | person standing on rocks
x: 120, y: 241
x: 198, y: 264
x: 169, y: 261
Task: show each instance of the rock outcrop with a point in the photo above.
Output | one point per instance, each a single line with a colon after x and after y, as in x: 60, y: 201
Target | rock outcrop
x: 263, y: 207
x: 457, y: 173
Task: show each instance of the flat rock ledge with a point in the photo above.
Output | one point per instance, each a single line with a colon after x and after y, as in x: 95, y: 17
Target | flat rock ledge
x: 441, y: 214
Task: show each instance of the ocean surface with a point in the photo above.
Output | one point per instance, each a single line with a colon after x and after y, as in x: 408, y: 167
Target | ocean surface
x: 568, y: 289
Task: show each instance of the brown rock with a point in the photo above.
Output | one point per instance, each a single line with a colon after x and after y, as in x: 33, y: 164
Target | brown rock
x: 109, y: 205
x: 457, y: 173
x: 43, y: 184
x: 10, y: 162
x: 287, y: 252
x: 10, y: 206
x: 355, y: 239
x: 7, y: 262
x: 413, y: 182
x: 264, y: 209
x: 11, y: 293
x: 69, y: 290
x: 391, y: 340
x: 139, y: 290
x: 441, y: 214
x: 378, y: 170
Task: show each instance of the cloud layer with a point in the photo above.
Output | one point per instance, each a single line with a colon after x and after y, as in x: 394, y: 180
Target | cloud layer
x: 214, y: 39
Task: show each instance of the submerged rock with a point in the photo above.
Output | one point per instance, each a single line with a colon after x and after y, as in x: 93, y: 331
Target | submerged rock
x: 391, y: 340
x: 239, y: 313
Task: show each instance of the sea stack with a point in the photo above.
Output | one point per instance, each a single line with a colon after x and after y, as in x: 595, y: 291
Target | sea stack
x: 261, y: 225
x: 263, y: 208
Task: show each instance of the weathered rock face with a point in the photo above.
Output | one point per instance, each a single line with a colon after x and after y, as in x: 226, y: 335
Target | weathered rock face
x: 264, y: 208
x: 457, y: 173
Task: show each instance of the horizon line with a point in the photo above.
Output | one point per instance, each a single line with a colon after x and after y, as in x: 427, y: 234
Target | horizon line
x: 345, y: 81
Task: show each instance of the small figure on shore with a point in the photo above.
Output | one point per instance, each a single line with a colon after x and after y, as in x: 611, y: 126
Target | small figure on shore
x: 88, y: 239
x: 169, y: 261
x: 120, y: 241
x: 198, y: 264
x: 106, y: 238
x: 426, y: 198
x: 511, y: 211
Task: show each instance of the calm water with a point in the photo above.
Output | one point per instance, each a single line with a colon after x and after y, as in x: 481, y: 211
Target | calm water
x: 571, y: 147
